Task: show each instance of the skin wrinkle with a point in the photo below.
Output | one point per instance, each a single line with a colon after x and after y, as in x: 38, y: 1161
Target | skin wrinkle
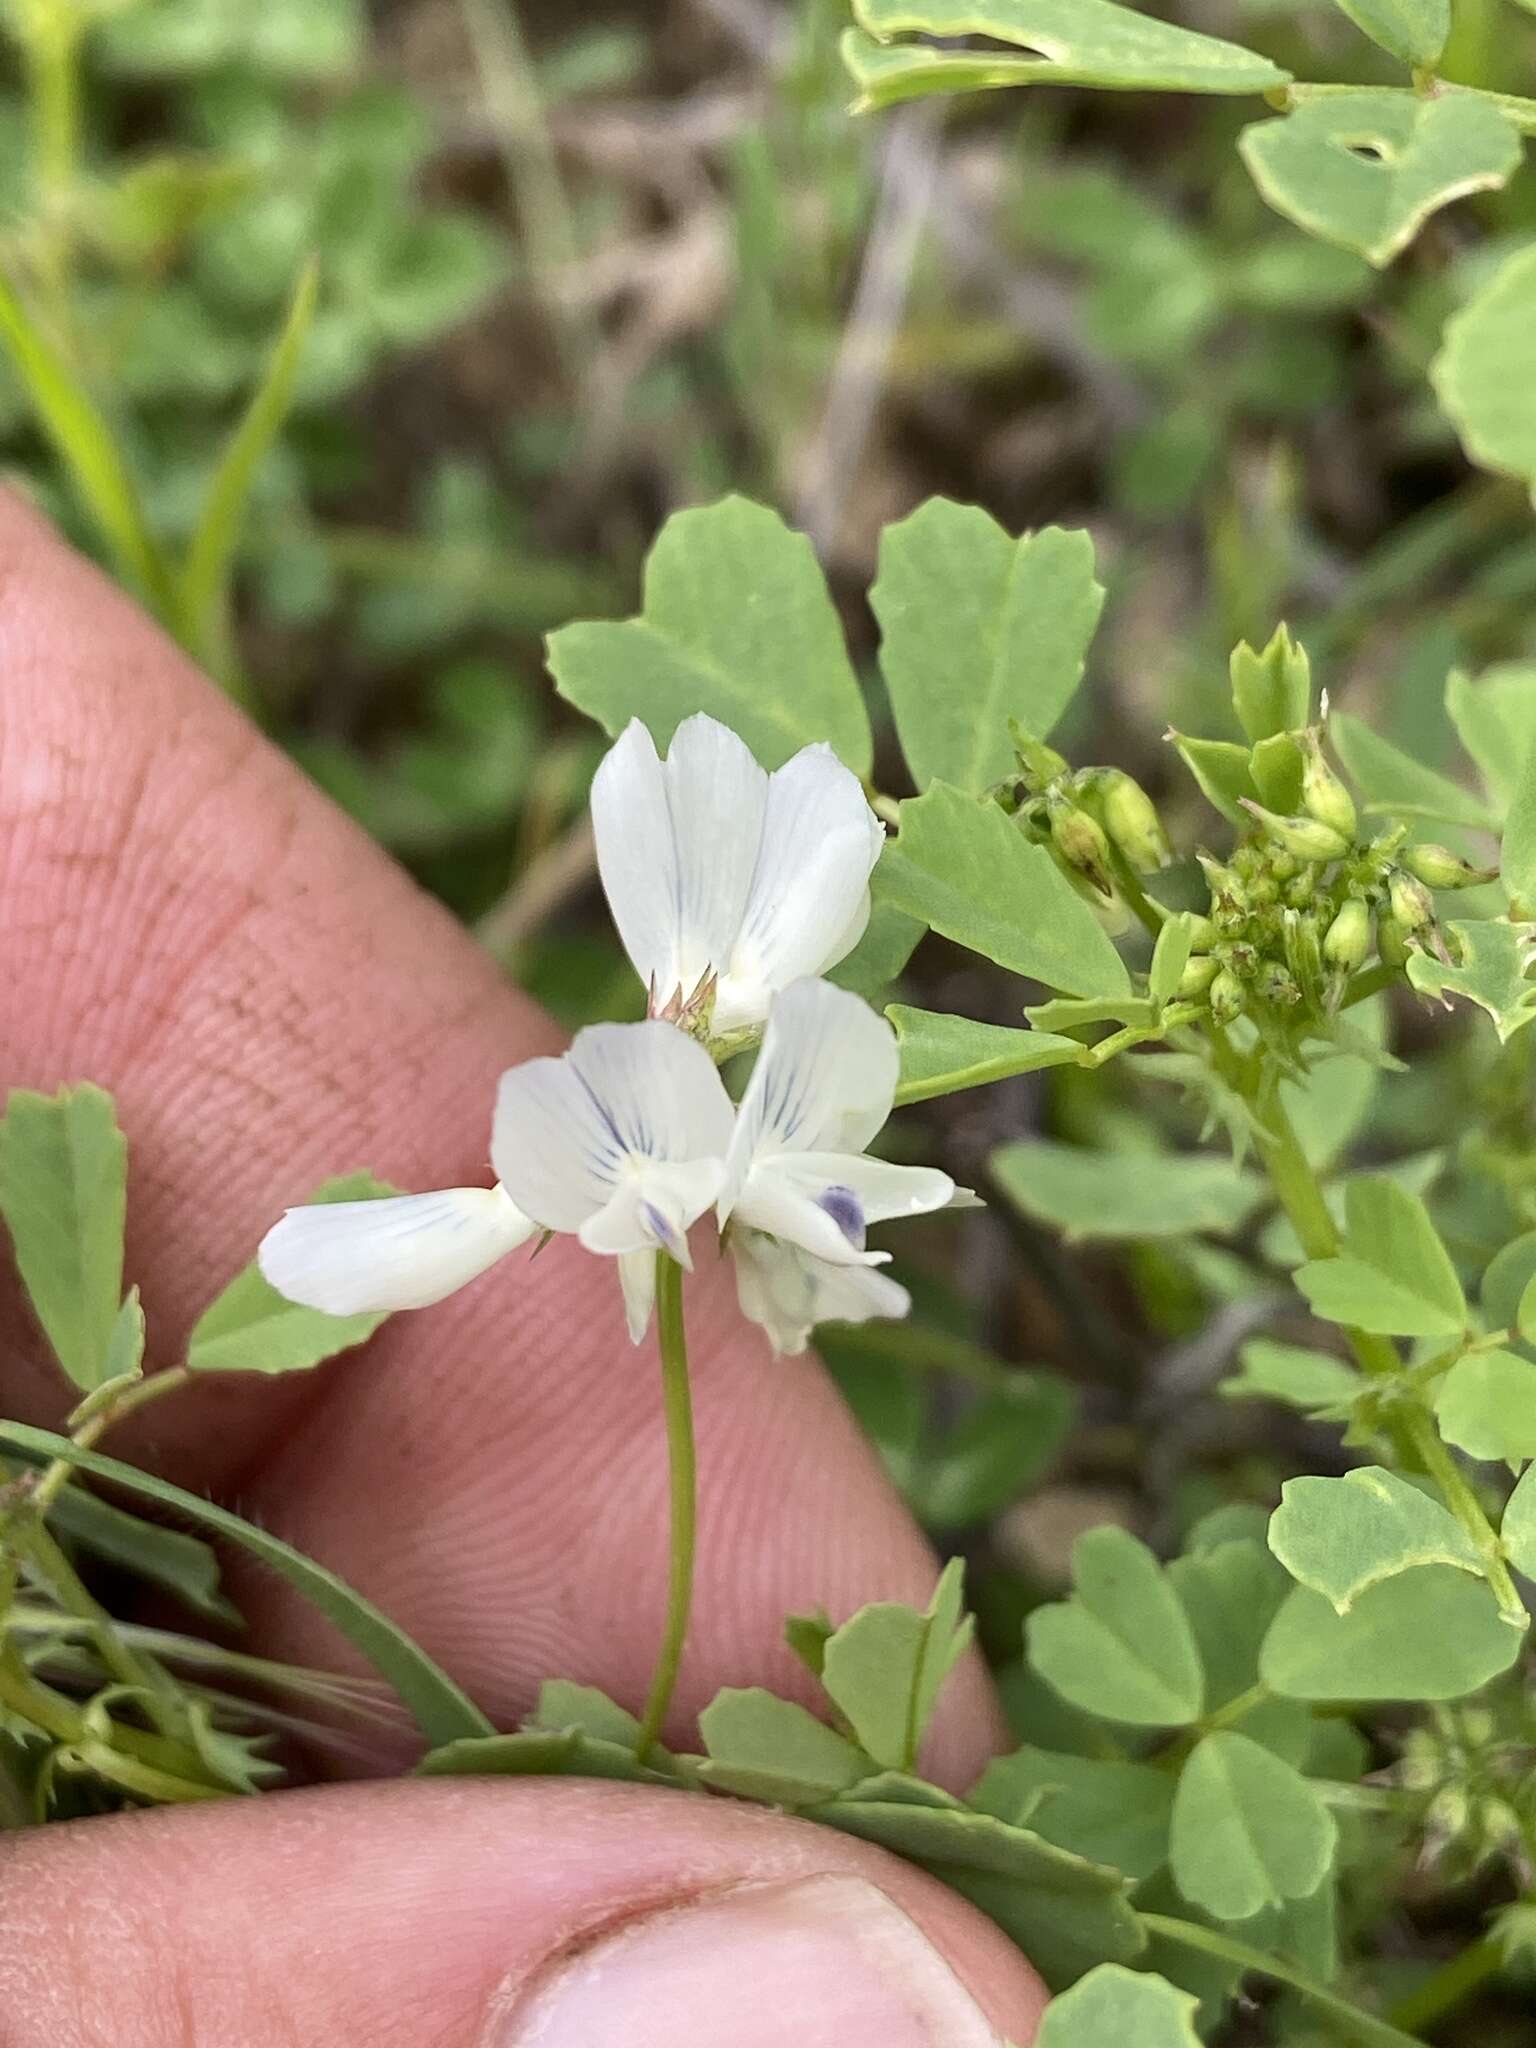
x: 349, y: 1022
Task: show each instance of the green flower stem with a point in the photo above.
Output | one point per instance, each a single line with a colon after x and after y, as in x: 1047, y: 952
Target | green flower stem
x: 683, y: 1478
x: 50, y: 35
x: 1445, y: 1989
x: 113, y: 1748
x: 1418, y: 1441
x: 57, y: 1476
x: 1361, y: 2029
x: 28, y: 1539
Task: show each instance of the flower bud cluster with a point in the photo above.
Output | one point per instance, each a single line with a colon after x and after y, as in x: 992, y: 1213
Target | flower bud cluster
x: 1474, y: 1770
x: 1099, y: 823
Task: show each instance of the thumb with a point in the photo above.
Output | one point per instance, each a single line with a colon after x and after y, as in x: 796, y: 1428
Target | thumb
x: 490, y: 1914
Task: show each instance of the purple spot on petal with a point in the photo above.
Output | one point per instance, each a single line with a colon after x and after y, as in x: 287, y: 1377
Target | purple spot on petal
x: 846, y: 1211
x: 659, y: 1227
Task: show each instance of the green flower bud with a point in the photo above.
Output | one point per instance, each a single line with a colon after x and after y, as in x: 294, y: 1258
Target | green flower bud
x: 1309, y: 838
x: 1131, y: 820
x: 1391, y: 942
x: 1282, y: 863
x: 1200, y: 970
x: 1226, y: 885
x: 1348, y: 939
x: 1412, y: 904
x: 1202, y: 935
x: 1277, y: 985
x: 1301, y: 889
x: 1438, y: 868
x: 1323, y: 795
x: 1263, y: 889
x: 1303, y: 950
x: 1081, y: 843
x: 1227, y: 998
x: 1038, y: 764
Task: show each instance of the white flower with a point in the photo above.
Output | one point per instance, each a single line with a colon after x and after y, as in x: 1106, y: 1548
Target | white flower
x: 351, y: 1258
x: 622, y: 1140
x: 717, y: 871
x: 798, y: 1192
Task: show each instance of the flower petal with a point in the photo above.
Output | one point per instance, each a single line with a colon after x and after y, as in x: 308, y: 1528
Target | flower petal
x: 565, y: 1128
x: 637, y: 1278
x: 677, y: 843
x: 809, y: 896
x: 653, y: 1207
x: 352, y: 1258
x: 825, y: 1201
x: 824, y: 1081
x: 787, y: 1293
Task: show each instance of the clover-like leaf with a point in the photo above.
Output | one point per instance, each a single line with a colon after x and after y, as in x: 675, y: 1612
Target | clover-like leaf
x: 1486, y: 1406
x: 1122, y: 1646
x: 1070, y: 42
x: 1343, y: 1536
x: 965, y: 869
x: 1109, y: 1811
x: 1247, y: 1831
x: 1367, y: 168
x: 737, y: 622
x: 1415, y: 30
x: 1230, y: 1592
x: 253, y: 1328
x: 1313, y: 1381
x: 1485, y: 373
x: 884, y: 1668
x: 1395, y: 1277
x: 1492, y: 967
x: 1113, y: 2007
x: 1495, y: 717
x: 762, y: 1747
x: 1392, y: 780
x: 1434, y: 1633
x: 63, y: 1193
x: 1518, y: 1529
x: 1088, y: 1194
x: 942, y: 1053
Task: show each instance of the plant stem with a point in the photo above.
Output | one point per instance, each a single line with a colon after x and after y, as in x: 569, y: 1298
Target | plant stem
x: 1359, y: 2027
x: 1445, y: 1989
x: 683, y: 1483
x: 57, y: 1476
x: 50, y: 40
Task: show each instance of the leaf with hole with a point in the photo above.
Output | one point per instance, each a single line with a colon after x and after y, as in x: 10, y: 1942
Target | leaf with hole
x: 736, y: 621
x: 1367, y: 168
x: 978, y: 628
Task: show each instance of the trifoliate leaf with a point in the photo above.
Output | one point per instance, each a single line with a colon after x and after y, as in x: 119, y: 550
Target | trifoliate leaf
x: 1230, y: 1593
x: 884, y: 1668
x: 1485, y: 373
x: 63, y: 1193
x: 1071, y: 42
x: 1395, y: 1276
x: 942, y: 1053
x: 1343, y: 1536
x: 1122, y: 1646
x: 1110, y: 1812
x: 1391, y: 780
x: 978, y: 628
x: 1434, y: 1633
x: 1493, y: 960
x: 1308, y: 1380
x: 1113, y: 2007
x: 1414, y: 30
x: 964, y: 868
x: 1247, y: 1830
x: 1366, y: 169
x: 761, y: 1747
x: 736, y: 622
x: 1486, y: 1406
x: 1124, y: 1194
x: 253, y: 1328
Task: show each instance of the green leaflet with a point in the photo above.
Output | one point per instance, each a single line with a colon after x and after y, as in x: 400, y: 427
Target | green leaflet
x: 1247, y: 1830
x: 965, y: 869
x: 1433, y: 1633
x: 1343, y: 1536
x: 978, y: 628
x: 1395, y: 1277
x: 1113, y: 2007
x: 1124, y: 1194
x: 762, y: 1747
x: 736, y: 622
x: 1485, y: 373
x: 1271, y: 688
x: 250, y: 1327
x: 1495, y: 719
x: 1518, y: 851
x: 1391, y: 780
x: 63, y: 1193
x: 1310, y: 1380
x: 1486, y: 1406
x: 443, y: 1712
x: 1230, y: 1593
x: 1122, y: 1646
x: 1519, y: 1526
x: 1414, y: 30
x: 1223, y: 771
x: 1071, y: 42
x: 941, y: 1054
x: 1493, y: 963
x: 884, y: 1668
x: 1366, y: 169
x: 1110, y: 1812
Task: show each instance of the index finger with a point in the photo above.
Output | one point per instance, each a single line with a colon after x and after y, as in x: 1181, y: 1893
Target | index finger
x: 185, y: 920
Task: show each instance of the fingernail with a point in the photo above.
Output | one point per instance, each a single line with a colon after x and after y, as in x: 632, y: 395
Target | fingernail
x: 825, y: 1962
